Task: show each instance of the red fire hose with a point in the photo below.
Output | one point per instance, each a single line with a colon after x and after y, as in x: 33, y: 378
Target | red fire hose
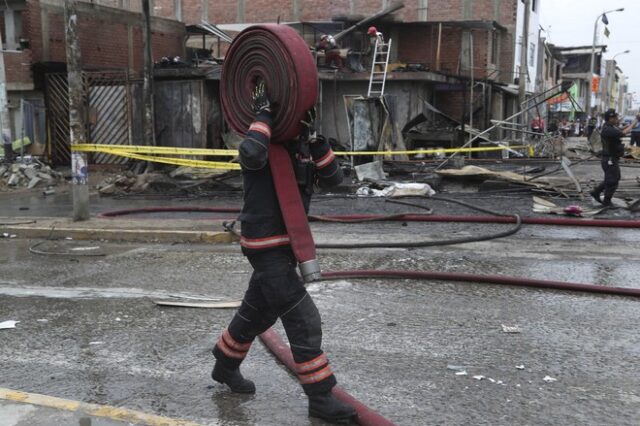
x: 277, y: 55
x: 601, y: 223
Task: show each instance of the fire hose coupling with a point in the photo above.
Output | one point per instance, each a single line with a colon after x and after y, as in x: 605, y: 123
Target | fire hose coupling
x: 310, y: 270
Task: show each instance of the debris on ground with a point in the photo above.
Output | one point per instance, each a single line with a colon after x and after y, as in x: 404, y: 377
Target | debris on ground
x: 395, y: 189
x: 549, y: 379
x: 28, y: 174
x: 370, y: 171
x: 201, y: 304
x: 8, y: 324
x: 511, y: 329
x: 559, y: 185
x: 520, y: 367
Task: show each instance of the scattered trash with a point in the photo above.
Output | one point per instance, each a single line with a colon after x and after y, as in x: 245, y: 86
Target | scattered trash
x: 370, y: 171
x: 118, y: 319
x: 520, y: 367
x: 541, y: 205
x: 461, y: 373
x: 455, y: 367
x: 49, y: 191
x: 42, y: 320
x: 491, y: 380
x: 85, y: 248
x: 96, y: 343
x: 8, y: 324
x: 7, y: 235
x: 512, y: 329
x: 210, y: 305
x: 479, y: 377
x: 396, y: 189
x: 549, y: 379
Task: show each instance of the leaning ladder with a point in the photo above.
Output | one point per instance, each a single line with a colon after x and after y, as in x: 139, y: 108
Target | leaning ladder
x: 378, y: 79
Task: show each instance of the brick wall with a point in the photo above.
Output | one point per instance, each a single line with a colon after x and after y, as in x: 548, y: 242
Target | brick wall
x: 18, y: 67
x: 103, y: 35
x: 166, y: 8
x: 419, y: 44
x: 226, y: 11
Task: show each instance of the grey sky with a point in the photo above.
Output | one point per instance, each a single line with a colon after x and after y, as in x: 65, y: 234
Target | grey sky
x: 570, y: 23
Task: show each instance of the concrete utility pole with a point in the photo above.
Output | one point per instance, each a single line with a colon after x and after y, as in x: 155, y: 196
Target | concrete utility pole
x: 524, y: 49
x: 147, y: 88
x: 77, y: 114
x: 5, y: 121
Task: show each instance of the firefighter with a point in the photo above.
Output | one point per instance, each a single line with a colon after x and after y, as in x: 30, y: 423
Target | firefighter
x: 612, y: 150
x: 275, y: 289
x: 331, y: 51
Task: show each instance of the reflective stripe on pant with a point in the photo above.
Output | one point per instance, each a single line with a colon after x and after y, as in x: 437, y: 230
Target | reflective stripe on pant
x: 276, y: 291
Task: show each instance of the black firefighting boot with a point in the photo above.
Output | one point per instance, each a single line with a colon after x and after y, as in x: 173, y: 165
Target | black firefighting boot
x: 595, y: 194
x: 329, y: 408
x: 233, y: 379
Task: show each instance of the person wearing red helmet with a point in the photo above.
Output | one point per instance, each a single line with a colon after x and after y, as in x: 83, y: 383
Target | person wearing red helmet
x: 375, y: 36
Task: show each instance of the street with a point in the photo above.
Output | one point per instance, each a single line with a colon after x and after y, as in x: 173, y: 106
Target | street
x: 89, y: 329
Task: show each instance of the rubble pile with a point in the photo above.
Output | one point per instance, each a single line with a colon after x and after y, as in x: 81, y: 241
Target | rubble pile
x: 129, y: 182
x: 28, y: 175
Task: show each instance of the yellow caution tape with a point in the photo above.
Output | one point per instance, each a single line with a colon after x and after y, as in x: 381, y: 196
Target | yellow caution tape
x: 152, y: 150
x: 139, y: 153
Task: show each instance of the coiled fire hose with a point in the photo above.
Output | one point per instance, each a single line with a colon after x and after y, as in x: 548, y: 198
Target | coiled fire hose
x: 278, y: 56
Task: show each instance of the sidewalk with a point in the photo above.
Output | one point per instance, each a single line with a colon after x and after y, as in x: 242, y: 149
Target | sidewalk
x: 118, y: 229
x: 23, y: 408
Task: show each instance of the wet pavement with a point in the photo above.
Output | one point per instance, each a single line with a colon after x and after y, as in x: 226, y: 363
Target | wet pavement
x: 89, y: 330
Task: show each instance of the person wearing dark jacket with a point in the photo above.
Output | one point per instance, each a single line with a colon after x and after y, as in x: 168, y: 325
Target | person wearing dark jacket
x: 275, y: 289
x: 612, y: 150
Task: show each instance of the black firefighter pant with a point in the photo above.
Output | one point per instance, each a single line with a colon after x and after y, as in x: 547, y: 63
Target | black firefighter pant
x: 611, y: 179
x: 276, y: 291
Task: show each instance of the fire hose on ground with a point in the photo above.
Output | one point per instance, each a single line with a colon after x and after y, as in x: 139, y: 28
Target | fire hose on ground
x: 277, y: 56
x: 366, y: 416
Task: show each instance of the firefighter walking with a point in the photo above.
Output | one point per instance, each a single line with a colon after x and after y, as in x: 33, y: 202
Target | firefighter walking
x: 275, y: 289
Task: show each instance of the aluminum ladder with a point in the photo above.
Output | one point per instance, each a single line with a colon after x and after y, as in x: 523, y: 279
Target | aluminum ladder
x: 377, y: 79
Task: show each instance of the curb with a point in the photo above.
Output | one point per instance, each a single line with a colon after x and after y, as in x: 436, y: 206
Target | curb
x: 49, y: 228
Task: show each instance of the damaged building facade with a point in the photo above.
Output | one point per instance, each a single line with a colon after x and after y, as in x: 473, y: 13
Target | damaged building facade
x: 33, y: 35
x: 462, y: 57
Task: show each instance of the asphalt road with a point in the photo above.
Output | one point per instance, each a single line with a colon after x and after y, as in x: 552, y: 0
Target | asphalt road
x: 89, y: 330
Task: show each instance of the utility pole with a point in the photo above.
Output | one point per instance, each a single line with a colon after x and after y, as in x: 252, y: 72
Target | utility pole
x: 524, y: 67
x: 77, y: 114
x: 5, y: 123
x: 147, y: 88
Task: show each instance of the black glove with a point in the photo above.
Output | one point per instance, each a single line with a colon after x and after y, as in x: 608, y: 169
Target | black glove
x: 308, y: 125
x: 318, y: 147
x: 260, y: 98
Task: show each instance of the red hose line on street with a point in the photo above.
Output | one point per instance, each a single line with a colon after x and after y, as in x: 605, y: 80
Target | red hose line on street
x: 485, y: 279
x: 603, y: 223
x: 366, y: 416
